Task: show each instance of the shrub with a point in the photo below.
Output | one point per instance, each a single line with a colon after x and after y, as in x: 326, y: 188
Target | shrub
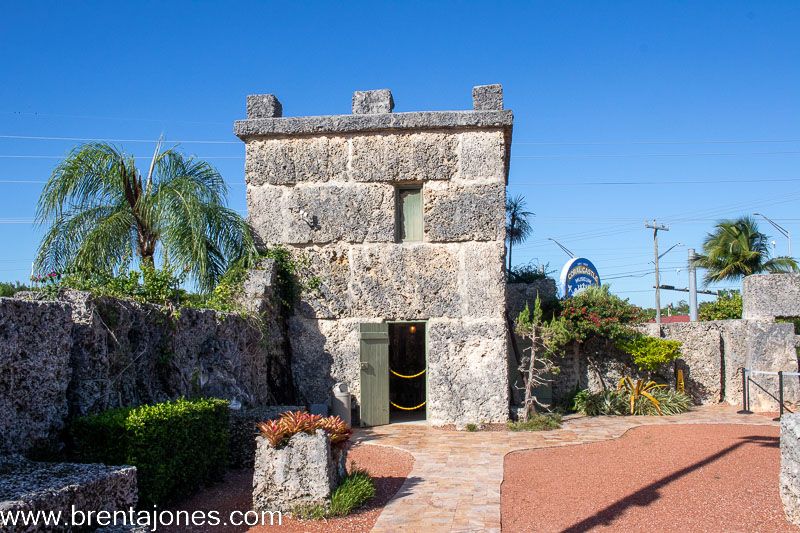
x: 650, y: 353
x: 540, y: 422
x: 472, y: 427
x: 175, y: 446
x: 356, y: 489
x: 727, y: 306
x: 10, y: 289
x: 613, y: 402
x: 278, y: 432
x: 640, y: 391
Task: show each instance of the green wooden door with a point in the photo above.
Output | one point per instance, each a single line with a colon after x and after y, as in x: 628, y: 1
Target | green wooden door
x: 374, y: 374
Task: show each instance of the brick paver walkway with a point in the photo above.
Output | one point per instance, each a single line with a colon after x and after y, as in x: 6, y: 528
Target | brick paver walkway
x: 455, y: 482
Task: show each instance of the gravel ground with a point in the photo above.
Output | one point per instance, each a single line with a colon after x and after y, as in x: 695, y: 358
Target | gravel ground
x: 388, y: 467
x: 653, y: 478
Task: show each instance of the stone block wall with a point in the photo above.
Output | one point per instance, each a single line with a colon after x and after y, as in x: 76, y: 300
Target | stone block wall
x: 84, y: 354
x: 35, y: 372
x: 327, y: 188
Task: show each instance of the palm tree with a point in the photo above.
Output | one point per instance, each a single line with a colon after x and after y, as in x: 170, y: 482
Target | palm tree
x: 101, y: 211
x: 518, y: 228
x: 736, y: 249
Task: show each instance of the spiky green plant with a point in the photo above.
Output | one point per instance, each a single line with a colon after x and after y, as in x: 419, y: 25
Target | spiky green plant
x: 640, y: 389
x: 101, y: 213
x: 736, y: 249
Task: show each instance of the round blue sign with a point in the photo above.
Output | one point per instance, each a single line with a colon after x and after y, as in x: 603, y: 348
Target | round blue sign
x: 577, y: 274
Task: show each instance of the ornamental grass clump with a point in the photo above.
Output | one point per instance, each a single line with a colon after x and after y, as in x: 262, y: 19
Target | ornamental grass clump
x: 278, y: 432
x: 617, y: 402
x: 356, y: 489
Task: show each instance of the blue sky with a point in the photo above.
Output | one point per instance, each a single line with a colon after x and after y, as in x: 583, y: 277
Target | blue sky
x: 654, y: 93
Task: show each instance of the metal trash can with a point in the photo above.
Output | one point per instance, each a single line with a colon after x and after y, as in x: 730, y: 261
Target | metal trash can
x: 341, y: 402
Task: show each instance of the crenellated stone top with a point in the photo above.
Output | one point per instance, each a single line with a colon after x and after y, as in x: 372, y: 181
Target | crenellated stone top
x: 372, y: 112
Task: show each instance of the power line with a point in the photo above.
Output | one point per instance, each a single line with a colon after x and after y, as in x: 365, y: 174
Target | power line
x: 654, y: 182
x: 619, y: 143
x: 35, y: 114
x: 99, y: 139
x: 696, y: 154
x: 136, y: 157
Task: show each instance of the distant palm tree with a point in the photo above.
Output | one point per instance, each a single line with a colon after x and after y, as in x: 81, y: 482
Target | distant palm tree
x: 100, y: 212
x: 518, y: 228
x: 735, y: 249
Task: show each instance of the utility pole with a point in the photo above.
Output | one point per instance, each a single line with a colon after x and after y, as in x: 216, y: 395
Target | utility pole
x: 692, y: 287
x: 655, y: 227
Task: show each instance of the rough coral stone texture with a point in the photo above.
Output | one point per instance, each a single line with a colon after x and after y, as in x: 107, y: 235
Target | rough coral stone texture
x: 369, y: 102
x: 766, y: 296
x: 322, y: 214
x: 481, y: 279
x: 263, y: 106
x: 31, y: 487
x: 324, y: 353
x: 467, y: 371
x: 473, y: 212
x: 790, y: 467
x: 482, y: 155
x: 701, y: 358
x: 405, y: 281
x: 331, y: 266
x: 304, y: 472
x: 771, y: 347
x: 289, y: 161
x: 404, y: 157
x: 487, y: 97
x: 35, y: 344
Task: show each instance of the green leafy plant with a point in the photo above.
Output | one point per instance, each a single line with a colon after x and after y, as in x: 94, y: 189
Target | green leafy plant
x: 613, y: 402
x: 355, y: 490
x: 10, y: 289
x: 278, y: 432
x: 539, y: 422
x: 472, y: 427
x: 650, y: 353
x: 727, y: 306
x: 529, y: 272
x: 101, y: 212
x: 176, y: 446
x: 546, y: 340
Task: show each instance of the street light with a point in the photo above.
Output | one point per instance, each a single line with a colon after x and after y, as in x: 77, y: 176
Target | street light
x: 783, y: 231
x: 668, y: 250
x: 563, y: 248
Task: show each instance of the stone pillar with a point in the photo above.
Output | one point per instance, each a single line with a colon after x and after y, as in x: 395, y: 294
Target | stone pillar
x: 263, y: 106
x: 790, y: 467
x: 487, y: 97
x: 372, y: 102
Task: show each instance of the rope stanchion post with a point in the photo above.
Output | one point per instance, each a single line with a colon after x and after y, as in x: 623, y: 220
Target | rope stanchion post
x: 745, y: 393
x: 780, y: 392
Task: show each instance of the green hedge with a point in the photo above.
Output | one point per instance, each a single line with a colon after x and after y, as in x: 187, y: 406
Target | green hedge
x: 175, y: 446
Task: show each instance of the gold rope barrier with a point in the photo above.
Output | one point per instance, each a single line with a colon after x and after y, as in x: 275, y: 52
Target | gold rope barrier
x: 408, y: 408
x: 418, y: 374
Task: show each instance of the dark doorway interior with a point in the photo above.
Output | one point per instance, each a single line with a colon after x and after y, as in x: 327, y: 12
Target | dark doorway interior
x: 407, y: 358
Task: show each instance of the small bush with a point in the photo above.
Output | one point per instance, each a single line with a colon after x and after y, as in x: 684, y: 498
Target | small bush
x: 10, y: 289
x: 356, y: 489
x: 278, y: 432
x: 472, y: 427
x: 613, y: 402
x: 175, y: 446
x: 650, y: 353
x: 543, y: 422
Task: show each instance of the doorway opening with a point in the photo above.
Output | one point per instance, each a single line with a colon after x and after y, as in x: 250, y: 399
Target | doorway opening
x: 407, y: 372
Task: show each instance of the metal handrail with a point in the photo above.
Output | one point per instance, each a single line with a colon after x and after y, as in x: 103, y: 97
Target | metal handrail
x: 747, y: 372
